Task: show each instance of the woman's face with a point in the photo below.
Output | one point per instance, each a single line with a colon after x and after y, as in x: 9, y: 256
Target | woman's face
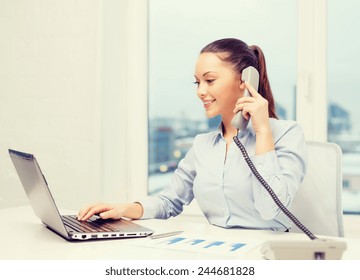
x: 218, y: 85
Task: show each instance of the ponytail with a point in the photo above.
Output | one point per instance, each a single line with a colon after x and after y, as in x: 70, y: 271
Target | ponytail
x: 264, y: 84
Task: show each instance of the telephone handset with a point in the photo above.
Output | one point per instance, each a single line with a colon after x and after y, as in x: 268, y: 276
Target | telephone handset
x: 250, y: 75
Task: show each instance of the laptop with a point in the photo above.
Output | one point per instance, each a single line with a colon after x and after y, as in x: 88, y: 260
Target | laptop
x: 67, y: 226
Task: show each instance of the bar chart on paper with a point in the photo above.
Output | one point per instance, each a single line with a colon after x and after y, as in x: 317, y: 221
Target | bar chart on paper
x: 204, y: 244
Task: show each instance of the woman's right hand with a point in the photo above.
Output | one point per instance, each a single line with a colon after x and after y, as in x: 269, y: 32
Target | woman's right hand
x: 111, y: 211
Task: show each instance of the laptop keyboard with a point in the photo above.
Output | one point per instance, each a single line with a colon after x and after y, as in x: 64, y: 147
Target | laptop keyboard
x: 92, y: 225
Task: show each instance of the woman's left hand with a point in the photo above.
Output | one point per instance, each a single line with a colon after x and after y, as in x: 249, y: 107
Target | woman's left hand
x: 256, y: 107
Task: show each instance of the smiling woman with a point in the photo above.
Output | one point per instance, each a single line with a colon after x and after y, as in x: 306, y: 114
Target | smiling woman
x: 213, y: 171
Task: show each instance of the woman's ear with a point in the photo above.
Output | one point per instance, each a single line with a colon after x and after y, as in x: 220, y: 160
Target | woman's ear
x: 242, y: 85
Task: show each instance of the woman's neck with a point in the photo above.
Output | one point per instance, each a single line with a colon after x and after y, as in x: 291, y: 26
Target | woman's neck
x: 228, y: 130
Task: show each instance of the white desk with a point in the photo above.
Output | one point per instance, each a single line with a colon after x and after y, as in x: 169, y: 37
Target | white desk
x: 23, y: 236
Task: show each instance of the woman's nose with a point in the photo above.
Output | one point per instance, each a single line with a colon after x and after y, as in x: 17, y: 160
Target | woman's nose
x: 201, y: 91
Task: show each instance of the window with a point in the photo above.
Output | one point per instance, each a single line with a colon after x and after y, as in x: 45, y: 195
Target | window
x: 175, y: 113
x: 343, y: 112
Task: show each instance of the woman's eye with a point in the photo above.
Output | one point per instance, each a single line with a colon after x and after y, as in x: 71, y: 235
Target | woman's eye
x: 210, y: 81
x: 196, y: 83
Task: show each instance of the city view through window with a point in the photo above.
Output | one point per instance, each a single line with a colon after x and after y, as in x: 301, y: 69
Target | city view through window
x: 343, y: 94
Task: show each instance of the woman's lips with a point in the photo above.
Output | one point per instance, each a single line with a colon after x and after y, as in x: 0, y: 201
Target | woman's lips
x: 207, y: 103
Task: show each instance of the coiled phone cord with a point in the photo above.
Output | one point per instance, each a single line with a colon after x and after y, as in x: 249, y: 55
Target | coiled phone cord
x: 271, y: 192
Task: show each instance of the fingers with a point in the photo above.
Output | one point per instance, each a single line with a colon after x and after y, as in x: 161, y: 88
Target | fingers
x: 251, y: 89
x: 113, y: 213
x: 242, y: 103
x: 92, y: 209
x: 245, y: 114
x: 255, y: 100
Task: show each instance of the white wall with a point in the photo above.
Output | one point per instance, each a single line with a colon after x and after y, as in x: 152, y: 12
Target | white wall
x: 63, y: 97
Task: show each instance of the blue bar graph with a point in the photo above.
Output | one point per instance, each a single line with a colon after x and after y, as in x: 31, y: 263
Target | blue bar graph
x: 236, y: 246
x: 174, y: 240
x: 196, y: 241
x: 216, y: 243
x: 199, y: 244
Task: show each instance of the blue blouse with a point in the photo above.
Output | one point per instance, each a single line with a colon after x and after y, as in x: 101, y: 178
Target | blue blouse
x: 226, y: 190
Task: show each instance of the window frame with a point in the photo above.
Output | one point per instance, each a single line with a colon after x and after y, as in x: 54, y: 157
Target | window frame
x: 311, y: 97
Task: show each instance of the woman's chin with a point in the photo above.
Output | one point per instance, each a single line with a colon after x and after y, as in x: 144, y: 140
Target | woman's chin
x: 210, y: 114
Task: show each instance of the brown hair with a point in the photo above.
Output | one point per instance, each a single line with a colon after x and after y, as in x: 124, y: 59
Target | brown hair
x: 240, y: 56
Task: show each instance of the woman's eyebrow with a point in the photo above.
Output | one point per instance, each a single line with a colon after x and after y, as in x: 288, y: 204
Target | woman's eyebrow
x: 208, y: 72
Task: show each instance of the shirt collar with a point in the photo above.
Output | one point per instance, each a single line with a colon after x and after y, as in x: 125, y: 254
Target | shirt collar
x: 219, y: 133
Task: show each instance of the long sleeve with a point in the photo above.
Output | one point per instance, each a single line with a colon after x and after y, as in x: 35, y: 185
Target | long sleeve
x: 283, y: 169
x: 171, y: 200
